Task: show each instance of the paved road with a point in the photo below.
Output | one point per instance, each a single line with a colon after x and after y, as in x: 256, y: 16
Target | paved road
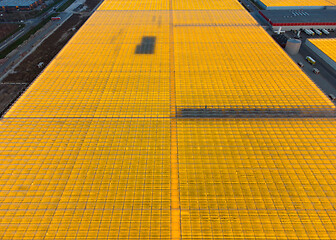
x: 254, y: 11
x: 249, y: 5
x: 25, y: 48
x: 38, y: 37
x: 326, y: 80
x: 29, y: 25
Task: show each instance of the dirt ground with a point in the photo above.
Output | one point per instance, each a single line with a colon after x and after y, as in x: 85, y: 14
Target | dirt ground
x: 91, y: 4
x: 8, y: 94
x: 14, y: 84
x: 18, y: 15
x: 28, y: 70
x: 6, y: 29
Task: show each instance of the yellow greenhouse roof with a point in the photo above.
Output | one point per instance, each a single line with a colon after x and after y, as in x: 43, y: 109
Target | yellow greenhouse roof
x: 217, y: 62
x: 112, y: 178
x: 114, y: 140
x: 85, y: 179
x: 169, y: 4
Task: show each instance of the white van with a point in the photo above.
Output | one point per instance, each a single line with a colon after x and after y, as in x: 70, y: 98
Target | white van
x: 311, y: 32
x: 325, y: 31
x: 316, y: 71
x: 307, y: 31
x: 317, y: 32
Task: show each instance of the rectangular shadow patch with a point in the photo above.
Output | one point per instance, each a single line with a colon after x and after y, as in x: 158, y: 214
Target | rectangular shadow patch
x: 146, y: 46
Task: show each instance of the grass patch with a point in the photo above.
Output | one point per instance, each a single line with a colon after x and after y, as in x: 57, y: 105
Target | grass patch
x: 19, y: 41
x: 65, y: 5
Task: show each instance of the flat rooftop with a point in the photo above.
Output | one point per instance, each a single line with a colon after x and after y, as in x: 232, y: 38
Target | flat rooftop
x: 325, y: 49
x: 327, y: 46
x: 289, y: 3
x: 304, y: 17
x: 13, y: 3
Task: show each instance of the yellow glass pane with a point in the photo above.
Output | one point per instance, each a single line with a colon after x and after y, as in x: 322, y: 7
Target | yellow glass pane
x: 116, y: 137
x: 328, y: 46
x: 100, y: 178
x: 257, y: 178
